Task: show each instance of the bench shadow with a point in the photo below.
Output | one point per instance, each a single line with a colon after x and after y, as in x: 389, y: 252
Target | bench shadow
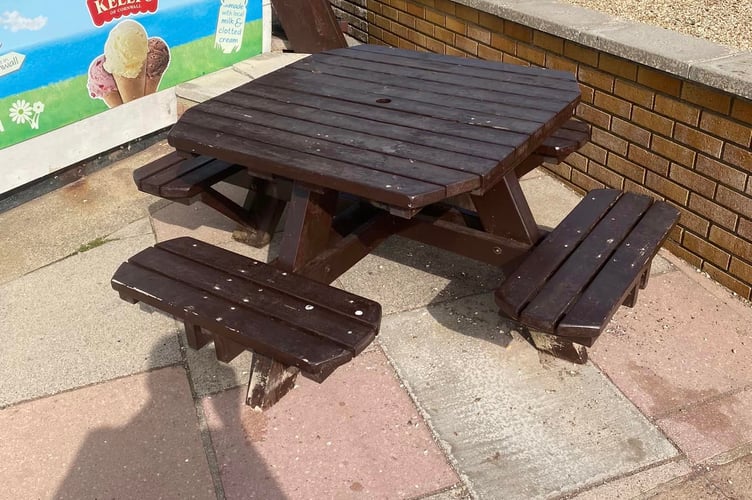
x: 148, y: 458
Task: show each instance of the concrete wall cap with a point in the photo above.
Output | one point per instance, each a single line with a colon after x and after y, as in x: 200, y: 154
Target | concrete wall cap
x: 685, y: 56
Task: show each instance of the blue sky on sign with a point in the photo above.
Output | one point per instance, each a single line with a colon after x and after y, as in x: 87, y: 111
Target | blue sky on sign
x: 29, y: 22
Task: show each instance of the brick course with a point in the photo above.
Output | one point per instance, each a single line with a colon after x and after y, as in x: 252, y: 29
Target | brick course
x: 652, y: 132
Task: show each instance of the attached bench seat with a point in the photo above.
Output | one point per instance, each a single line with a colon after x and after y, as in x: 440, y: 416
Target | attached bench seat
x: 187, y: 180
x: 595, y: 260
x: 241, y: 303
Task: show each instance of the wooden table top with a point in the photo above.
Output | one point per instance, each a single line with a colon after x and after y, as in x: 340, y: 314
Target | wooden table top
x: 394, y: 126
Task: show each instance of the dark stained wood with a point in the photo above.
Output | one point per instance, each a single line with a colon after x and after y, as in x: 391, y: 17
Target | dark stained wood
x: 602, y: 297
x: 312, y: 169
x: 565, y: 140
x: 310, y: 25
x: 270, y: 277
x: 561, y: 289
x: 309, y: 219
x: 173, y: 177
x: 188, y: 180
x: 269, y: 381
x: 196, y: 338
x: 503, y: 211
x: 257, y: 307
x: 593, y: 262
x: 517, y: 291
x: 310, y: 121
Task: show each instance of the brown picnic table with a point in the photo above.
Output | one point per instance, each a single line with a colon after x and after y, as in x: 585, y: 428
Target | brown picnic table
x: 402, y: 130
x: 367, y: 142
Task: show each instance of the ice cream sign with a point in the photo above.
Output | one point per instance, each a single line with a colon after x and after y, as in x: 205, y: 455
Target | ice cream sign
x: 105, y: 11
x: 131, y: 67
x: 63, y: 62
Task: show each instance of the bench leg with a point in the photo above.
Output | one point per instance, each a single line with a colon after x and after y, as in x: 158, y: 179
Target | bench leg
x: 559, y: 347
x: 195, y: 336
x: 269, y: 381
x: 266, y: 212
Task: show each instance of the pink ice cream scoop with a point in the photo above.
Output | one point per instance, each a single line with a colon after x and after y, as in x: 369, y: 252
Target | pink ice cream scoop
x: 101, y: 82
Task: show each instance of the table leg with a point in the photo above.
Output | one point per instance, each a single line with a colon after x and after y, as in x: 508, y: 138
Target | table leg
x: 266, y: 212
x: 504, y: 211
x: 307, y: 228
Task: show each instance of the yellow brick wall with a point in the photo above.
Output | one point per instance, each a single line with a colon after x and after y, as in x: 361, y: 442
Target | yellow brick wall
x: 651, y: 132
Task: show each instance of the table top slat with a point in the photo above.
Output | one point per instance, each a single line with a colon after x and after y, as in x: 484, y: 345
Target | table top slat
x: 353, y: 122
x: 421, y: 90
x: 428, y: 164
x: 352, y: 129
x: 365, y: 106
x: 487, y: 79
x: 453, y: 107
x: 388, y: 188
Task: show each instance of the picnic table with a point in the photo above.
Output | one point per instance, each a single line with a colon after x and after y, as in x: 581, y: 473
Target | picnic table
x: 369, y: 142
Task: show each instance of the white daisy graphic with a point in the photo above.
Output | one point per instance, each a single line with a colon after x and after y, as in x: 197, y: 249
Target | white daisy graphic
x: 2, y: 129
x: 20, y: 112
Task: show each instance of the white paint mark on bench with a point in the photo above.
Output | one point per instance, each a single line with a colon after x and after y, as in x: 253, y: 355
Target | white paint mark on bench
x: 309, y: 307
x: 358, y: 313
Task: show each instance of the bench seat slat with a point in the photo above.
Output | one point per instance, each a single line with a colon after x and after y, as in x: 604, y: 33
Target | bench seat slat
x: 565, y: 140
x: 244, y: 292
x: 318, y: 294
x: 569, y: 287
x: 267, y: 336
x: 546, y: 258
x: 620, y: 276
x: 584, y: 262
x: 175, y: 177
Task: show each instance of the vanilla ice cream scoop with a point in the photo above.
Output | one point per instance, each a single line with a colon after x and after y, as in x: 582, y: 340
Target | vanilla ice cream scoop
x: 126, y: 49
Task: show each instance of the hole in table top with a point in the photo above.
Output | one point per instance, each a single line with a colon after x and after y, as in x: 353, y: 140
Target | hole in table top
x: 383, y: 100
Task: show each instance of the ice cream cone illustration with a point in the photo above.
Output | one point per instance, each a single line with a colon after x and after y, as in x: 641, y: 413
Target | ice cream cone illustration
x: 157, y: 59
x: 102, y: 84
x: 125, y: 54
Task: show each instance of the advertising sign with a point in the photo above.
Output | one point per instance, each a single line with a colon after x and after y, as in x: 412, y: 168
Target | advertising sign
x: 61, y: 62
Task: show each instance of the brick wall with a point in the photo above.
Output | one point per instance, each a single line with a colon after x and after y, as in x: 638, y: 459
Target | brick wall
x: 651, y: 132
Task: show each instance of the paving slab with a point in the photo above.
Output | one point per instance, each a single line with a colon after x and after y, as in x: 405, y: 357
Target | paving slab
x: 402, y: 274
x: 57, y: 224
x: 635, y: 485
x: 680, y: 346
x: 135, y: 437
x: 734, y: 479
x: 64, y: 326
x: 357, y: 435
x: 519, y: 424
x: 709, y: 429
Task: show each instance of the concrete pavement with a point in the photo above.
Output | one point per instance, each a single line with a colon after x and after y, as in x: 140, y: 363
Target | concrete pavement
x: 103, y: 400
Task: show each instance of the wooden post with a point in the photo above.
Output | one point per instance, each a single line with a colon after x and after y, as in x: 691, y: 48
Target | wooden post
x: 269, y: 381
x: 310, y: 25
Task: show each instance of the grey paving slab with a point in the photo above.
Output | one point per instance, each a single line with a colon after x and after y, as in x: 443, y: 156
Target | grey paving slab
x: 638, y: 484
x: 64, y: 326
x: 518, y: 423
x: 132, y: 438
x: 402, y: 275
x: 55, y: 225
x: 549, y: 199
